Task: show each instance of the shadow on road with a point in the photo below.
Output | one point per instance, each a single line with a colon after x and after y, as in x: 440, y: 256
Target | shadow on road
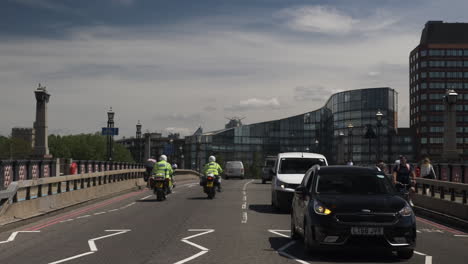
x: 148, y: 201
x: 265, y: 209
x: 340, y: 256
x: 198, y: 198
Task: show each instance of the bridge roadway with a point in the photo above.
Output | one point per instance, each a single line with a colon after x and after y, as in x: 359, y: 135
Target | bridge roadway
x: 188, y: 228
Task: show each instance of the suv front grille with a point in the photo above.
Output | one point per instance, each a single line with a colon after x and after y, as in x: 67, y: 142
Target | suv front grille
x: 377, y: 218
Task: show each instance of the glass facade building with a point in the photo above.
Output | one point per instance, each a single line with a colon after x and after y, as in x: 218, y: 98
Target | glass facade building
x: 326, y: 130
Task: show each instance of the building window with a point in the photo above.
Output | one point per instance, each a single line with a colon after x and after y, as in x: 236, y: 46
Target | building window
x: 465, y: 63
x: 436, y: 52
x: 423, y: 64
x: 465, y: 52
x: 423, y: 118
x: 451, y: 52
x: 466, y: 74
x: 455, y: 74
x: 436, y: 74
x: 424, y: 85
x: 436, y: 129
x: 423, y: 75
x: 423, y: 140
x: 454, y: 63
x: 452, y: 85
x: 437, y: 140
x: 437, y: 64
x: 423, y: 97
x: 436, y: 96
x: 433, y: 85
x: 423, y: 107
x: 423, y: 53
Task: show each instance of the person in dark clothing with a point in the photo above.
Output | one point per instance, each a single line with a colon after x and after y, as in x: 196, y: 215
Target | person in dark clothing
x: 403, y: 174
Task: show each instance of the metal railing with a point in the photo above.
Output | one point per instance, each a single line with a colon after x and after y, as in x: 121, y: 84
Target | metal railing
x: 454, y: 192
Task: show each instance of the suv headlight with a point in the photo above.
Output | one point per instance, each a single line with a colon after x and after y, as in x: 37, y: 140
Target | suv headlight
x: 320, y: 209
x: 406, y: 211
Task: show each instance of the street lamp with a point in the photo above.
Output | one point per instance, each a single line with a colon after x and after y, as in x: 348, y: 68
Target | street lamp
x: 350, y: 138
x: 316, y: 146
x: 181, y: 151
x: 450, y: 152
x: 138, y: 139
x: 378, y: 117
x: 110, y: 125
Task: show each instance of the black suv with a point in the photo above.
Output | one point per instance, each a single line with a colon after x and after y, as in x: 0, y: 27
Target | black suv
x: 345, y: 206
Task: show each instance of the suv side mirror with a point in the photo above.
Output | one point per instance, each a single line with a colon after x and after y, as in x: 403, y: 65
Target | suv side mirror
x: 301, y: 191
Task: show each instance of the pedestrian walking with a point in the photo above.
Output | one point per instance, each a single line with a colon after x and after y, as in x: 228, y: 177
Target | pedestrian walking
x: 427, y: 170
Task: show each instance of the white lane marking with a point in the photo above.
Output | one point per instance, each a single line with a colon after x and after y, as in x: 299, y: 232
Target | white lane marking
x: 83, y: 216
x: 99, y: 213
x: 281, y: 250
x: 203, y: 249
x: 128, y: 205
x: 244, y: 218
x: 113, y: 210
x: 461, y: 235
x: 92, y: 245
x: 417, y: 231
x: 244, y: 204
x: 14, y: 234
x: 144, y: 198
x: 68, y: 220
x: 428, y: 259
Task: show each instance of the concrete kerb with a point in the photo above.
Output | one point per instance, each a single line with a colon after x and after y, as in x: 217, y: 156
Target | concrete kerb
x: 443, y: 219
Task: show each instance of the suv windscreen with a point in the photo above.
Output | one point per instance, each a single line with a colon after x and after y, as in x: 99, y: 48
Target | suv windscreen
x: 343, y: 183
x: 270, y: 163
x: 298, y: 165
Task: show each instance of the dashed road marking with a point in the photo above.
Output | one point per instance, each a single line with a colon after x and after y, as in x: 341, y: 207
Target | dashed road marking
x: 68, y: 220
x: 92, y: 245
x: 83, y: 216
x: 128, y: 205
x: 244, y: 204
x: 244, y: 218
x: 461, y: 235
x: 203, y: 249
x: 13, y: 235
x: 99, y: 213
x: 144, y: 198
x: 113, y: 210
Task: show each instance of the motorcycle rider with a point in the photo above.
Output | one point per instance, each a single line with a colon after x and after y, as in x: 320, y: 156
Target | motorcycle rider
x: 164, y: 168
x: 213, y: 168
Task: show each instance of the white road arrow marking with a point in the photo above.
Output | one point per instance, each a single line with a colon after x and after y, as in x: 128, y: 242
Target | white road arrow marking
x: 281, y: 251
x: 92, y: 245
x: 14, y: 234
x: 203, y: 249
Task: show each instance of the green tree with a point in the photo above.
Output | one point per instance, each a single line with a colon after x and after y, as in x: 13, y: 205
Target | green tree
x: 86, y: 147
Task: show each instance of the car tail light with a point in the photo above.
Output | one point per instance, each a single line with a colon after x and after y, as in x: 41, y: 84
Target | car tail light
x: 242, y: 170
x: 210, y: 178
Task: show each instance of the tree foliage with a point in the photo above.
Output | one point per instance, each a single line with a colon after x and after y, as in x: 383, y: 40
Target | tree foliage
x: 14, y: 148
x: 86, y: 147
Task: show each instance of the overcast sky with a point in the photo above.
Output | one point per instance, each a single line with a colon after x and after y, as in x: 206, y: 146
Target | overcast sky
x: 176, y: 64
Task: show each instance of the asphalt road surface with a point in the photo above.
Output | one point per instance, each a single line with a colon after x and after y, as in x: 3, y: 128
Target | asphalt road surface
x: 238, y: 226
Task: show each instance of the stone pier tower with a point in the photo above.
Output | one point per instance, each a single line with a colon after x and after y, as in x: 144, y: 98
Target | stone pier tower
x: 41, y: 146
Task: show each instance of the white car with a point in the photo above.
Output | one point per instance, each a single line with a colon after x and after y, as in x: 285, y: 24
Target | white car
x: 287, y: 174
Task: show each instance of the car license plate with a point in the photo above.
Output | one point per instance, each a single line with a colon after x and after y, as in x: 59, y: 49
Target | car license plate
x: 209, y: 184
x: 367, y: 231
x: 159, y: 185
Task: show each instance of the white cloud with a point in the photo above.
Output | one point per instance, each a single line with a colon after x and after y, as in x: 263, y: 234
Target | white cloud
x: 373, y: 73
x: 183, y: 131
x: 315, y: 94
x: 254, y: 104
x: 329, y: 20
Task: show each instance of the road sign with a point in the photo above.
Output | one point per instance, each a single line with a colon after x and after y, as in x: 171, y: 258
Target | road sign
x: 110, y: 131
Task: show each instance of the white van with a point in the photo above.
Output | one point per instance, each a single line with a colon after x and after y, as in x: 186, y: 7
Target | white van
x: 287, y: 174
x: 234, y: 169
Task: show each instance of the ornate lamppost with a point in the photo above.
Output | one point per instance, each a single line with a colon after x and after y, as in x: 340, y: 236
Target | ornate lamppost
x: 138, y: 140
x: 110, y: 125
x: 350, y: 143
x: 378, y: 117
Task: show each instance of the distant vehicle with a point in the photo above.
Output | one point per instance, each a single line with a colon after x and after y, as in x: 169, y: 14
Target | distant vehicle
x: 287, y: 174
x: 234, y: 169
x: 352, y: 207
x: 266, y: 169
